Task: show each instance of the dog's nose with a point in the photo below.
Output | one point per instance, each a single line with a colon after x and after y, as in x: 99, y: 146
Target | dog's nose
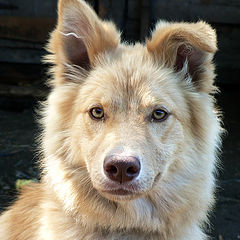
x: 121, y: 168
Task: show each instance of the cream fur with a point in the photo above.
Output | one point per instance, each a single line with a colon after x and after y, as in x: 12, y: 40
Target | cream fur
x: 175, y: 188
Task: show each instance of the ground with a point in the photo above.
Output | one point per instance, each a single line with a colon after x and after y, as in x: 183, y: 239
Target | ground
x: 18, y: 130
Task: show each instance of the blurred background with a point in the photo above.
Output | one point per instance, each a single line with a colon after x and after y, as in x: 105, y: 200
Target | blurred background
x: 24, y: 30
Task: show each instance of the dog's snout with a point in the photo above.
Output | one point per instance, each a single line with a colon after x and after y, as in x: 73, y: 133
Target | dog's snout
x: 121, y: 168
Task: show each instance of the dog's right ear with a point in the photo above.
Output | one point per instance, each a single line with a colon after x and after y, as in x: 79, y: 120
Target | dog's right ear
x: 78, y: 38
x: 191, y: 44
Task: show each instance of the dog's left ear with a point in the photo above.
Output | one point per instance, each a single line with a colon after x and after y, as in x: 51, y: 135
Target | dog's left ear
x: 80, y: 36
x: 194, y: 44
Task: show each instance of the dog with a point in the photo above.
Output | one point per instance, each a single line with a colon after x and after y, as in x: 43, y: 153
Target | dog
x: 130, y: 135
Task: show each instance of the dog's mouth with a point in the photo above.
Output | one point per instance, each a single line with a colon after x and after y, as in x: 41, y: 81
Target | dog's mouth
x: 118, y: 192
x: 122, y: 192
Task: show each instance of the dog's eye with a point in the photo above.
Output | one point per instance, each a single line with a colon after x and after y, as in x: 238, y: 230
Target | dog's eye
x: 159, y: 115
x: 96, y: 113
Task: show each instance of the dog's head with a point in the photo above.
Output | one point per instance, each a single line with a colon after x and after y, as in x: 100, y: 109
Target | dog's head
x: 130, y: 114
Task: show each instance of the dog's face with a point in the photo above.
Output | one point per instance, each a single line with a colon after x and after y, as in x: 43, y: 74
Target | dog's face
x: 128, y: 125
x: 130, y: 119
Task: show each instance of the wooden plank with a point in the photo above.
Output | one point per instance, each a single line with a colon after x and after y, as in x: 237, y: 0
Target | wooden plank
x: 113, y: 10
x: 133, y: 20
x: 22, y: 74
x: 31, y: 8
x: 104, y: 9
x: 228, y: 56
x: 134, y: 9
x: 21, y: 55
x: 22, y: 91
x: 117, y: 13
x: 132, y: 30
x: 22, y: 80
x: 9, y: 43
x: 215, y: 11
x: 26, y: 28
x: 145, y: 19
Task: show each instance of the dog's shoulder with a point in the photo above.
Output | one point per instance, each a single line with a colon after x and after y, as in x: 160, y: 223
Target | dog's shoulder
x: 20, y: 221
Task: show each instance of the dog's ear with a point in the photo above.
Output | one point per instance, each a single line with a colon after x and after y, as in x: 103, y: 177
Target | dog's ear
x: 186, y: 44
x: 79, y: 37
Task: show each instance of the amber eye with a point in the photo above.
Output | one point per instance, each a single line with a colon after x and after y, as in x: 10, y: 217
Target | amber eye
x: 96, y: 113
x: 159, y: 115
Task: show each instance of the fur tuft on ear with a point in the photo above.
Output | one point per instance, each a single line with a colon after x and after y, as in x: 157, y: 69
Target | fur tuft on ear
x: 174, y: 44
x: 78, y: 38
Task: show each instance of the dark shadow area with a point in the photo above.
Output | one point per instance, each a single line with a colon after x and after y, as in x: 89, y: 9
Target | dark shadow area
x: 225, y: 218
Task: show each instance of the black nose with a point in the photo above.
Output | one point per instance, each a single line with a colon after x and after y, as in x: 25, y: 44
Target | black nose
x: 121, y: 168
